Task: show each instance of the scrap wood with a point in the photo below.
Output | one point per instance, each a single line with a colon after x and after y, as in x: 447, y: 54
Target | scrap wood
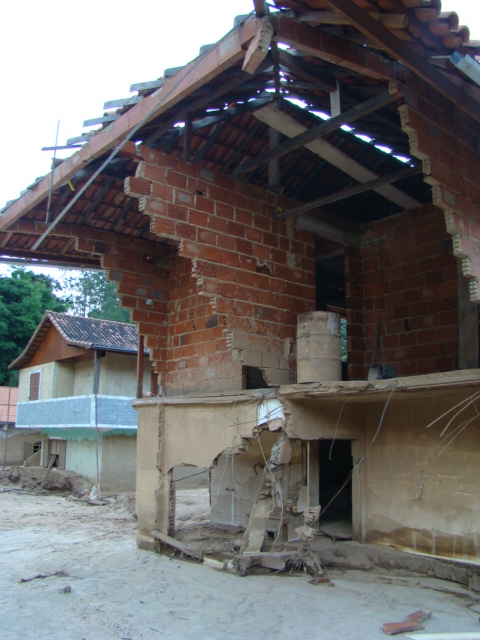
x: 278, y: 561
x: 41, y: 576
x: 411, y: 623
x: 176, y: 545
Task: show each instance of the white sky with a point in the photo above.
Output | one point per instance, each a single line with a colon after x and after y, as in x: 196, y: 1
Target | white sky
x: 62, y: 60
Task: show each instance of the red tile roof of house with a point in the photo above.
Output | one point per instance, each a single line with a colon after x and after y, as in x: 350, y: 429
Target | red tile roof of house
x: 86, y: 333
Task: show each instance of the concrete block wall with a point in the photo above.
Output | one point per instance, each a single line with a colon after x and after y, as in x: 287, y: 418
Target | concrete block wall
x: 405, y: 274
x: 446, y: 141
x: 239, y: 280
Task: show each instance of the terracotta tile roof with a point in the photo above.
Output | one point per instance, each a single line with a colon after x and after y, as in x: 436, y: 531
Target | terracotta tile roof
x: 86, y: 333
x: 317, y: 47
x: 7, y: 413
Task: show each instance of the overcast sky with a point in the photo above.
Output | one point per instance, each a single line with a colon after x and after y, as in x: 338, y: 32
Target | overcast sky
x: 62, y: 60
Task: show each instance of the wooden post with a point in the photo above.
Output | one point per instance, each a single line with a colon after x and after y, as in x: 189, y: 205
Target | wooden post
x: 140, y: 366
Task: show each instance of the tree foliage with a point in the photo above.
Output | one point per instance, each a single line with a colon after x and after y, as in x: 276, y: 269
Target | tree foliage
x: 24, y: 298
x: 91, y: 295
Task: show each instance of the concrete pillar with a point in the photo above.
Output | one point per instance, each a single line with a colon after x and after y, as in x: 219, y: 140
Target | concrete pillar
x: 155, y: 504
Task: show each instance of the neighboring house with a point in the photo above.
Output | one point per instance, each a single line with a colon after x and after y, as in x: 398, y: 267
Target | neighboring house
x: 322, y: 156
x: 16, y: 445
x: 78, y: 377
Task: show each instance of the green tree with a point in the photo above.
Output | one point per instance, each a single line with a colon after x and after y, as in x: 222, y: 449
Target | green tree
x: 24, y: 298
x: 90, y: 294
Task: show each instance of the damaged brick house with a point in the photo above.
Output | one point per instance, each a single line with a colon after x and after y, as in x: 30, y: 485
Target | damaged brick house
x: 322, y: 157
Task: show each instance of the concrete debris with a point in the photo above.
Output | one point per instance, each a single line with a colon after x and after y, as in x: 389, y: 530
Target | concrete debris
x: 312, y: 515
x: 411, y: 623
x: 305, y: 533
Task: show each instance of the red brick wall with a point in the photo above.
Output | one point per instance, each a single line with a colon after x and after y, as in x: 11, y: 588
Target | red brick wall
x: 409, y: 279
x: 239, y: 281
x: 446, y: 140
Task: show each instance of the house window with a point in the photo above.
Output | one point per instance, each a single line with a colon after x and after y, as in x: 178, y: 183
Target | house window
x: 34, y: 386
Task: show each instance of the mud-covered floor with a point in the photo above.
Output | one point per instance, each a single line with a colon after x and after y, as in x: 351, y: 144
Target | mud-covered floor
x: 72, y: 570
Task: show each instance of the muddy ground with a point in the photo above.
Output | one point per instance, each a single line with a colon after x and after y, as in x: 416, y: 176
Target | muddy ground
x: 70, y: 570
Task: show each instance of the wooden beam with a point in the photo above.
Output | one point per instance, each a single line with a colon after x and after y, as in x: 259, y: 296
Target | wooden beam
x: 402, y: 174
x: 322, y: 129
x: 406, y: 55
x: 187, y: 137
x: 388, y: 20
x: 274, y: 177
x: 36, y: 228
x: 259, y: 46
x: 260, y: 7
x: 330, y: 48
x: 140, y: 356
x: 225, y: 54
x: 291, y: 128
x: 329, y: 227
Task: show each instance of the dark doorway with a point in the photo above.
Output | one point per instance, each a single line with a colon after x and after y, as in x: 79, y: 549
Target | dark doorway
x: 335, y: 481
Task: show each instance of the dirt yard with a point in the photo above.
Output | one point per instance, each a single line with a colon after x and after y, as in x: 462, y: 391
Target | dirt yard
x: 71, y: 571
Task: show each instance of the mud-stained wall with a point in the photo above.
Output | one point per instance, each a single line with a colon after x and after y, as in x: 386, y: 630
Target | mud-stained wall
x: 174, y: 432
x: 19, y: 445
x: 422, y: 486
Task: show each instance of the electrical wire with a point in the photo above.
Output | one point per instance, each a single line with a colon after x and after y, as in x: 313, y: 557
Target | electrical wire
x: 363, y: 458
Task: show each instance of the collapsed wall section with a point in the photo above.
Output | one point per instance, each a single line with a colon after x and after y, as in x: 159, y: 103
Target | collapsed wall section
x: 240, y: 278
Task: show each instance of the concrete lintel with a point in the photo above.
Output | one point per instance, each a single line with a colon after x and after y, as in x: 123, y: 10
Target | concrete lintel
x: 207, y: 398
x: 367, y: 390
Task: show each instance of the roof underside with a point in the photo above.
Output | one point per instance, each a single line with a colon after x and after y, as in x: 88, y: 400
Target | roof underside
x: 214, y: 113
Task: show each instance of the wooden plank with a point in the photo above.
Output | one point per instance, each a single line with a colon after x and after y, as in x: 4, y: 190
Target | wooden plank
x: 333, y: 49
x: 259, y: 47
x: 226, y: 53
x: 147, y: 86
x: 101, y: 120
x: 176, y: 545
x: 307, y: 135
x: 406, y: 55
x: 122, y: 102
x: 326, y: 226
x: 140, y: 357
x: 274, y: 117
x: 388, y: 20
x: 402, y: 174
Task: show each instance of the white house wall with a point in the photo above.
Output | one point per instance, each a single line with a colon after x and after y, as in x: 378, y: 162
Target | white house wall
x: 47, y: 378
x: 64, y: 377
x: 118, y: 374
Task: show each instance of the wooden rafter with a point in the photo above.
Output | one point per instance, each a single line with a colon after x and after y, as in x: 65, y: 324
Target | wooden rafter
x: 287, y: 125
x: 330, y: 48
x: 406, y: 55
x: 370, y: 106
x: 402, y: 174
x: 329, y: 227
x: 226, y: 53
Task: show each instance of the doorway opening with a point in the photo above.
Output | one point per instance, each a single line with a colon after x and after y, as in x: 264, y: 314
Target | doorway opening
x: 335, y: 476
